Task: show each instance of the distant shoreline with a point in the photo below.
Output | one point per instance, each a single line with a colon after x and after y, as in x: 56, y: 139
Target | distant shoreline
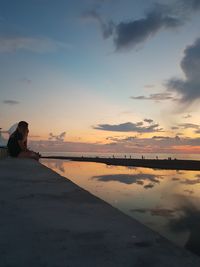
x: 168, y: 164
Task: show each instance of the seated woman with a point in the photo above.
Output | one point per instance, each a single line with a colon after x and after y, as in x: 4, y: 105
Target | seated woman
x: 17, y: 143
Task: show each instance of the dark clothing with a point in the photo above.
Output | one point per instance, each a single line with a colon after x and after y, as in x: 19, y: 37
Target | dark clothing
x: 13, y: 147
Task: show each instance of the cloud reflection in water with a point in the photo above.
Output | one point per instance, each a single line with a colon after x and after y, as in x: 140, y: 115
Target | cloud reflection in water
x: 189, y: 220
x: 139, y: 179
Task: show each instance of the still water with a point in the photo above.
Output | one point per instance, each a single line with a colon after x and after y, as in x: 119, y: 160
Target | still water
x: 167, y: 201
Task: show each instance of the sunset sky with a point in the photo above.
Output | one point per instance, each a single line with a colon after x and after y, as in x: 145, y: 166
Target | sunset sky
x: 102, y: 75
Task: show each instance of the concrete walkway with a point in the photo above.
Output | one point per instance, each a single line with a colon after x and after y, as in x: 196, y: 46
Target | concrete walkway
x: 46, y: 220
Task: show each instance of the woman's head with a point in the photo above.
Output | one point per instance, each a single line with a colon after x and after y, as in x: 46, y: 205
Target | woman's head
x: 23, y: 127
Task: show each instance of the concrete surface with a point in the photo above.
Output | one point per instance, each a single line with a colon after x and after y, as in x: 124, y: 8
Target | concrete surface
x: 46, y: 220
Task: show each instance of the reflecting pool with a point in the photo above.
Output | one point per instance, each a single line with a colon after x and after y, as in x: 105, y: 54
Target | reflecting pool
x: 167, y: 201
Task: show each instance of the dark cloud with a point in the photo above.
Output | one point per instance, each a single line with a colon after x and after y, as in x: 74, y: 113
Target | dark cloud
x: 148, y: 121
x: 184, y: 126
x: 192, y: 141
x: 175, y: 179
x: 59, y: 137
x: 147, y: 186
x: 129, y: 127
x: 174, y: 127
x: 10, y: 102
x: 137, y: 145
x: 188, y: 88
x: 160, y: 138
x: 129, y: 34
x: 188, y: 221
x: 192, y: 5
x: 191, y: 182
x: 179, y: 134
x: 130, y: 179
x: 189, y: 126
x: 158, y: 212
x: 156, y: 97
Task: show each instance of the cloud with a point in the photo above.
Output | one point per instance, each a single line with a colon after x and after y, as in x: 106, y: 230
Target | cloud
x: 187, y: 116
x: 161, y: 137
x: 150, y: 121
x: 188, y: 221
x: 179, y: 133
x: 26, y: 81
x: 10, y: 102
x: 126, y: 145
x: 118, y: 139
x: 188, y: 88
x: 191, y: 182
x: 174, y: 127
x: 192, y: 5
x: 130, y: 178
x: 129, y: 127
x: 59, y: 137
x: 33, y: 44
x: 188, y: 126
x: 167, y: 138
x: 129, y: 34
x: 106, y: 27
x: 192, y: 141
x: 54, y: 164
x: 156, y: 97
x: 158, y: 212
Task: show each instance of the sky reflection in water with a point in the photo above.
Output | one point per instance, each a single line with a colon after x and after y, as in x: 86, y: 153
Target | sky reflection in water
x: 165, y: 200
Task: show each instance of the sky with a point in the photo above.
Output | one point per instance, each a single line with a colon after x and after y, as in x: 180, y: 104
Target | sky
x: 102, y: 75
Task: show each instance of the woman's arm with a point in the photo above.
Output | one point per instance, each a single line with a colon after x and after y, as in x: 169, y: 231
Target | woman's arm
x: 23, y: 144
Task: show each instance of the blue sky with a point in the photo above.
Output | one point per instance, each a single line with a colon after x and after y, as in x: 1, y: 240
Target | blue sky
x: 77, y: 66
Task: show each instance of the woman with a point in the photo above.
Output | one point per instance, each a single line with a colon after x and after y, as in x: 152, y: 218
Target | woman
x: 17, y: 143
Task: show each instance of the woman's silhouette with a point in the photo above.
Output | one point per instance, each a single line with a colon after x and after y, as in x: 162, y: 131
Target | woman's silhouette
x: 17, y: 143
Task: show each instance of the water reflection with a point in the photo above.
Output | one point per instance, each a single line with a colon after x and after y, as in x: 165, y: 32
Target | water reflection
x: 158, y: 212
x: 56, y: 165
x: 169, y: 206
x: 193, y: 181
x: 139, y: 178
x: 189, y: 220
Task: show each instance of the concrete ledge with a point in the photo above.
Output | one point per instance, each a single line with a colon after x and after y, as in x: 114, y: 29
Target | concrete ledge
x: 46, y: 220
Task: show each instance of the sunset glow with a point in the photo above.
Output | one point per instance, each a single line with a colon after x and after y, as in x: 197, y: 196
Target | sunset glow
x: 102, y: 76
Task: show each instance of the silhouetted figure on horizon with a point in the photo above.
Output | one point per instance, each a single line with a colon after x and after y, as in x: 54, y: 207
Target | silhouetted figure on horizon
x: 17, y: 143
